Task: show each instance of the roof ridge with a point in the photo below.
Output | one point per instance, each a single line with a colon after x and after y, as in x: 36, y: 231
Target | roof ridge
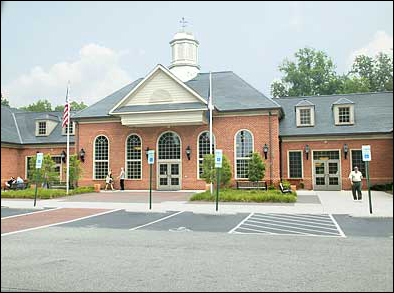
x: 317, y: 96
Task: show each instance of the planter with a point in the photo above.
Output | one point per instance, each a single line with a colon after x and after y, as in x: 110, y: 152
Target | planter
x: 32, y: 186
x: 293, y: 188
x: 97, y: 187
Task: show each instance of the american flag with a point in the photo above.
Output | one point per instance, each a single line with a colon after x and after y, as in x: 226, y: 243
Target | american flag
x: 66, y: 111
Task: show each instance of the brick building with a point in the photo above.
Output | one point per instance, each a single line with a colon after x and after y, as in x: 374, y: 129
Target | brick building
x: 310, y: 141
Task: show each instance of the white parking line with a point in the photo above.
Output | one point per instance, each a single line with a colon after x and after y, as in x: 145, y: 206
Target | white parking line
x: 338, y: 227
x: 235, y: 228
x: 60, y: 223
x: 289, y: 224
x: 279, y: 229
x: 296, y: 222
x: 35, y: 212
x: 135, y: 228
x: 298, y: 218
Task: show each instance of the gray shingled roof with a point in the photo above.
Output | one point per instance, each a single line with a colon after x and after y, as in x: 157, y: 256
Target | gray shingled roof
x: 305, y: 102
x: 343, y: 101
x: 373, y: 113
x: 230, y: 93
x: 23, y: 123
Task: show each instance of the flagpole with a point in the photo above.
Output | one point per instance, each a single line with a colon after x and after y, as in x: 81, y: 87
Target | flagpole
x: 210, y: 119
x: 68, y: 138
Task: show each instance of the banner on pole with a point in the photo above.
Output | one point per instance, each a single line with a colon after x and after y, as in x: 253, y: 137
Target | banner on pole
x: 218, y: 158
x: 40, y: 157
x: 151, y: 157
x: 366, y: 151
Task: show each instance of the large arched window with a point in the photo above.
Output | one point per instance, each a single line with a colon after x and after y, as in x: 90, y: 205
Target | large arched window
x: 101, y: 157
x: 169, y: 146
x: 243, y: 153
x: 133, y: 157
x: 204, y: 149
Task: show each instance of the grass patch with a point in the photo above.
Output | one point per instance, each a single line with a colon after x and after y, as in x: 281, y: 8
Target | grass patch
x: 234, y: 195
x: 43, y: 193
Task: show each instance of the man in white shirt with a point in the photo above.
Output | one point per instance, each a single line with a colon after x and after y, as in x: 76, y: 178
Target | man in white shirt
x: 122, y: 177
x: 355, y: 180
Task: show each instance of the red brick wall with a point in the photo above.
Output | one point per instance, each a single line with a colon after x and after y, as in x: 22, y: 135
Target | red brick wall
x: 381, y: 166
x: 13, y: 161
x: 224, y: 130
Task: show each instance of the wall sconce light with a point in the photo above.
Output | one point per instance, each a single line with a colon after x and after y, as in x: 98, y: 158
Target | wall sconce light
x: 265, y: 150
x: 345, y: 150
x: 63, y: 156
x: 188, y: 152
x: 307, y: 151
x: 146, y: 152
x: 82, y: 155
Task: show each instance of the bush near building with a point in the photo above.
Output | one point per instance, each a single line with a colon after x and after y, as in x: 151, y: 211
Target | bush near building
x: 43, y: 193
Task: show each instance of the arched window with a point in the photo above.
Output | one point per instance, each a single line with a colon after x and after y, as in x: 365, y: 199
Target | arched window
x: 101, y: 157
x: 133, y: 157
x: 169, y: 146
x: 243, y: 153
x: 204, y: 149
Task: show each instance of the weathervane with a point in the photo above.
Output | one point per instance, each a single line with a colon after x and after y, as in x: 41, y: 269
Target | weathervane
x: 183, y: 22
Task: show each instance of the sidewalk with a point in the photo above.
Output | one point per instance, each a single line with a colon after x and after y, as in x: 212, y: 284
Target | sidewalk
x: 309, y: 202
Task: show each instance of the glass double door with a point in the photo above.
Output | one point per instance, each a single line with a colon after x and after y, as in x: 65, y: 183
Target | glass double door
x: 169, y: 177
x: 326, y: 175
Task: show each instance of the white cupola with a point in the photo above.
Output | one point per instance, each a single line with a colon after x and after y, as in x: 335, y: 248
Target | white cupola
x: 184, y: 56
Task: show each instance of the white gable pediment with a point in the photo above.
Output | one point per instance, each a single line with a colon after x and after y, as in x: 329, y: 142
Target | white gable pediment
x: 160, y: 87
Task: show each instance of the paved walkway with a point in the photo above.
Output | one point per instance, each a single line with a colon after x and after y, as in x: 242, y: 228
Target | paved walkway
x: 309, y: 202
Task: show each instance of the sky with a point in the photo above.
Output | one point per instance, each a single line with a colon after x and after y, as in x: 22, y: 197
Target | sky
x: 101, y: 46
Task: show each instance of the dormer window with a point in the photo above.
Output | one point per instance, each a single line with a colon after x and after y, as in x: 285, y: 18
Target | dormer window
x: 70, y: 127
x: 343, y: 111
x: 344, y: 114
x: 305, y: 113
x: 42, y: 128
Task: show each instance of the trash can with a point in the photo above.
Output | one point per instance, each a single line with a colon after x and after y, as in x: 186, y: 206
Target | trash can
x: 97, y: 187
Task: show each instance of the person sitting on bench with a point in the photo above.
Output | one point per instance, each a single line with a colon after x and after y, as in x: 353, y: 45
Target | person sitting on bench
x: 283, y: 189
x: 9, y: 183
x: 19, y: 182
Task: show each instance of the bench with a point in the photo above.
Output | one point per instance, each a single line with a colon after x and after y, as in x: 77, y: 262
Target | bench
x: 283, y: 189
x: 57, y: 185
x: 17, y: 186
x: 252, y: 185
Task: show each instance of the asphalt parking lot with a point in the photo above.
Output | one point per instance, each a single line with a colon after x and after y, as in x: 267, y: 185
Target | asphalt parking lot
x: 323, y: 225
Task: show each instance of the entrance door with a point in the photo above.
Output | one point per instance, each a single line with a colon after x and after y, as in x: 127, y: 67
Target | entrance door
x: 326, y: 175
x: 169, y: 176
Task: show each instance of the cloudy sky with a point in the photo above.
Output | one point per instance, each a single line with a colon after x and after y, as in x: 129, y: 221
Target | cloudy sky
x: 102, y: 46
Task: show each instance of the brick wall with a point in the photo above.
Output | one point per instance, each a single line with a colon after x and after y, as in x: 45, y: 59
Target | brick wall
x: 381, y: 166
x: 13, y: 160
x: 224, y: 130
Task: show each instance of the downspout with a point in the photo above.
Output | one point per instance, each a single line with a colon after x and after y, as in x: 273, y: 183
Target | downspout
x: 280, y: 158
x: 77, y: 145
x: 270, y: 144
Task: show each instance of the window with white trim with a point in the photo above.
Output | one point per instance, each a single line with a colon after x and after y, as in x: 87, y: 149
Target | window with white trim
x: 70, y: 127
x: 101, y: 157
x: 204, y: 148
x: 305, y: 116
x: 133, y: 157
x: 357, y: 160
x: 243, y: 151
x: 344, y: 114
x: 295, y: 164
x: 169, y: 146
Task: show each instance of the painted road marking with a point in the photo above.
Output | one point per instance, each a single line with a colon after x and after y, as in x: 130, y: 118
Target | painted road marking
x: 285, y: 224
x: 5, y: 225
x: 25, y: 214
x: 150, y: 223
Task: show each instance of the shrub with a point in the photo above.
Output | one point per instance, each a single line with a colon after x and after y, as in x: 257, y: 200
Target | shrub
x: 302, y: 185
x: 209, y: 170
x: 256, y: 168
x: 271, y: 187
x: 286, y: 184
x: 46, y: 172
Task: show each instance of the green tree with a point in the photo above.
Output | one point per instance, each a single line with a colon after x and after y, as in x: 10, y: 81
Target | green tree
x: 40, y: 106
x: 256, y: 168
x: 209, y: 170
x: 74, y: 106
x: 4, y: 101
x: 76, y: 171
x: 47, y: 173
x: 312, y: 73
x: 378, y: 71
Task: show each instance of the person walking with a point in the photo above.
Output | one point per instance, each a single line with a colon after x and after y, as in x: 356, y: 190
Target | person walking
x: 109, y: 180
x: 355, y: 180
x: 122, y: 177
